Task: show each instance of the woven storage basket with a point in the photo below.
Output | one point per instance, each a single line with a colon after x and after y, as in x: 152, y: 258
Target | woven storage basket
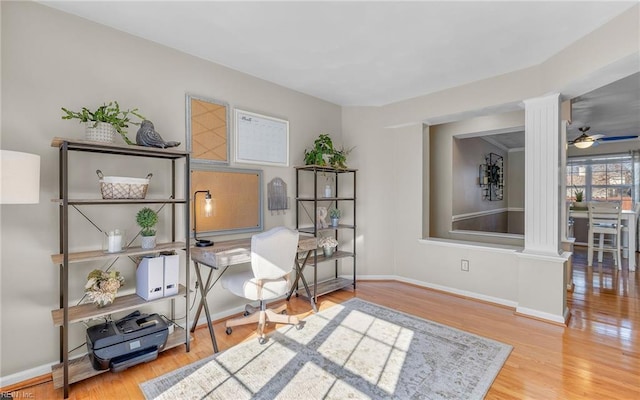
x: 118, y: 187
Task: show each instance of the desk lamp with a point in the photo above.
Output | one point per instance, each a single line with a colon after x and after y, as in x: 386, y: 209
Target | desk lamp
x: 207, y: 213
x: 20, y: 178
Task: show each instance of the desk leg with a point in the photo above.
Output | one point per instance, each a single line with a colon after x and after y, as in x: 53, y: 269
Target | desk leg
x: 204, y: 291
x: 203, y: 303
x: 300, y: 275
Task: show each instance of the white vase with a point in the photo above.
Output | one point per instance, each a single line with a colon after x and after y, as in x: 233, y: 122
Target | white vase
x: 327, y: 191
x: 101, y: 132
x: 148, y: 242
x: 335, y: 221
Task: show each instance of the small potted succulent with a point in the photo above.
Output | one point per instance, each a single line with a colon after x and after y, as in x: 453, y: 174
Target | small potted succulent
x: 103, y: 123
x: 334, y: 214
x: 328, y: 245
x: 147, y: 219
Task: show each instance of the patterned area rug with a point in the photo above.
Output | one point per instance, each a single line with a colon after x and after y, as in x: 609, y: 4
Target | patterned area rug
x: 353, y: 350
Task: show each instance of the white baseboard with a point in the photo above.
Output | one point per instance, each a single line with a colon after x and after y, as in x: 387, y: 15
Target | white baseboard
x: 26, y: 374
x: 472, y: 295
x: 528, y: 312
x: 490, y: 299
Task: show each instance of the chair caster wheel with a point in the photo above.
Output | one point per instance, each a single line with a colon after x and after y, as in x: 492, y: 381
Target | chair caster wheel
x: 246, y: 314
x: 299, y: 326
x: 262, y: 340
x: 228, y: 331
x: 283, y: 312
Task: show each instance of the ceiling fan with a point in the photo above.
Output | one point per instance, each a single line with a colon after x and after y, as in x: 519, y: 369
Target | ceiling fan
x: 583, y: 141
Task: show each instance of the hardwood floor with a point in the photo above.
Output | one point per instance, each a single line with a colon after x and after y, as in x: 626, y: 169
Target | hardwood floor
x: 596, y: 357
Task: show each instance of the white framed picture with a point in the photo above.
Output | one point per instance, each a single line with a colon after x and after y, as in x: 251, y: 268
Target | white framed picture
x: 261, y: 139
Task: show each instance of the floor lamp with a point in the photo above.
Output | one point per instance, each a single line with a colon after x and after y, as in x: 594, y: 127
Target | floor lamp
x: 20, y: 178
x: 207, y: 213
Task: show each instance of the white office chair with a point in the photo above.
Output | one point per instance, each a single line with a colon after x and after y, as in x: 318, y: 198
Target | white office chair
x: 272, y: 260
x: 604, y: 219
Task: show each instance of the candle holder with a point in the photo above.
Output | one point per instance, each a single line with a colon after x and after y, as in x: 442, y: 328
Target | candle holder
x: 114, y: 241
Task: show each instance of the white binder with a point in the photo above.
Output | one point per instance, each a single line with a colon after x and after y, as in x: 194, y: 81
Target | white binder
x: 171, y: 274
x: 150, y: 278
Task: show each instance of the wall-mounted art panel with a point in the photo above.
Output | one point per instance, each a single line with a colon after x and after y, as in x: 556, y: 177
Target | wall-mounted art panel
x: 208, y: 129
x: 236, y: 200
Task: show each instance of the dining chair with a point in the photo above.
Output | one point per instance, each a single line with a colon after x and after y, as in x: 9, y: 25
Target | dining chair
x: 625, y: 232
x: 604, y: 220
x: 272, y: 264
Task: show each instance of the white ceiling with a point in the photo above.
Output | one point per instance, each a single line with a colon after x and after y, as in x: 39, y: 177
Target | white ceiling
x: 359, y: 53
x: 374, y: 53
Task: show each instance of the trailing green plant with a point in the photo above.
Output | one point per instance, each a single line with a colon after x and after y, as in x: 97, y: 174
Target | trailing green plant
x: 324, y: 154
x: 322, y: 146
x: 109, y: 113
x: 147, y: 219
x: 334, y: 213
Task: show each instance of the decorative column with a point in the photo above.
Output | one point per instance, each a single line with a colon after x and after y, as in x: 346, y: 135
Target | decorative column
x: 542, y: 175
x: 542, y: 265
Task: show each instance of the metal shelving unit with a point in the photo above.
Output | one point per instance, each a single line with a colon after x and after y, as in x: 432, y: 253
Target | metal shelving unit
x: 70, y: 371
x: 307, y: 223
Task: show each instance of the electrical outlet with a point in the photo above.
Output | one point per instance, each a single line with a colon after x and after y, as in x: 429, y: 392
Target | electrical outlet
x: 464, y: 265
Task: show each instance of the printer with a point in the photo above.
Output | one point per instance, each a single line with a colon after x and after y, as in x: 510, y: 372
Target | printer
x: 132, y: 340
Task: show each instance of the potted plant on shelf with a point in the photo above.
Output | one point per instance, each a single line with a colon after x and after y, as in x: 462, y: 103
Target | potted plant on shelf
x: 102, y: 286
x: 334, y: 214
x: 328, y: 245
x: 103, y: 123
x: 147, y: 219
x: 579, y: 203
x: 324, y: 154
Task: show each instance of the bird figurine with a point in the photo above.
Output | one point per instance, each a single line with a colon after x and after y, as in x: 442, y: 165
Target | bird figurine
x: 147, y: 136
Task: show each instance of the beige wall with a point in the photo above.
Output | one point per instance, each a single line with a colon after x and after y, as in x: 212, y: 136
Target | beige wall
x: 494, y: 270
x: 468, y: 154
x: 453, y: 172
x: 515, y: 179
x: 52, y: 60
x: 515, y: 191
x: 47, y: 63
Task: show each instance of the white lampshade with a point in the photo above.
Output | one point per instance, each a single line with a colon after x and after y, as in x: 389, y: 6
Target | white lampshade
x: 20, y: 183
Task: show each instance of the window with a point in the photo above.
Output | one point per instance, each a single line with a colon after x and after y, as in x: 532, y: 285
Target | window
x: 601, y: 178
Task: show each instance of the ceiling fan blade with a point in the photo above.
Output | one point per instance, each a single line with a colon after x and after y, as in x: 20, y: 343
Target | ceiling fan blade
x: 598, y: 136
x: 613, y: 138
x: 582, y: 138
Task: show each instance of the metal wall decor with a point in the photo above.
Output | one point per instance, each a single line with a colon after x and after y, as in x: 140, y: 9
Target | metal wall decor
x: 277, y: 195
x: 491, y: 177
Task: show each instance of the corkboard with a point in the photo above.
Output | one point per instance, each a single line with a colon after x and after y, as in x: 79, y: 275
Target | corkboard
x: 208, y: 129
x: 236, y: 199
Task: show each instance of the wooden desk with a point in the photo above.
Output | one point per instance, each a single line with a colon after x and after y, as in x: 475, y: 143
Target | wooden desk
x: 630, y: 217
x: 234, y: 252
